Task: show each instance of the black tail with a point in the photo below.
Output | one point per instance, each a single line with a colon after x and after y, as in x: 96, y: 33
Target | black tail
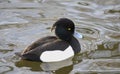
x: 31, y: 57
x: 19, y: 54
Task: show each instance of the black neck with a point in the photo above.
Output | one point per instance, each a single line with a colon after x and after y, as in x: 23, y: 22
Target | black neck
x: 75, y: 44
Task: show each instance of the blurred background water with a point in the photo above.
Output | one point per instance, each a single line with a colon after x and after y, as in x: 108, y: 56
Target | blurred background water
x: 24, y: 21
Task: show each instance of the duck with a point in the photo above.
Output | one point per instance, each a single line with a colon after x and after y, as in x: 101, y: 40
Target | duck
x: 54, y: 48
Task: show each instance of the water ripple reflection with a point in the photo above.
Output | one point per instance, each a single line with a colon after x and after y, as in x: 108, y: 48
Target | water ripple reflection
x: 24, y: 21
x: 4, y: 69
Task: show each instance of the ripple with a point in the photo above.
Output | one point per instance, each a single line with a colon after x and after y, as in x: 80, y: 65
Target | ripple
x: 83, y: 3
x: 5, y: 50
x: 4, y: 69
x: 6, y: 18
x: 112, y: 11
x: 112, y: 27
x: 115, y: 36
x: 89, y: 30
x: 109, y: 45
x: 109, y: 64
x: 107, y: 49
x: 102, y: 66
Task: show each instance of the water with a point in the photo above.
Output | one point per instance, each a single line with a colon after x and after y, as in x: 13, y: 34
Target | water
x: 24, y: 21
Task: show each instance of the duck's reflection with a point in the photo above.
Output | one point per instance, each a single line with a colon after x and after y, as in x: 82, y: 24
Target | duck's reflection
x: 63, y: 67
x: 34, y: 66
x: 56, y: 65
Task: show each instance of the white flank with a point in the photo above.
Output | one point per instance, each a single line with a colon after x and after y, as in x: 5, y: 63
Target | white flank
x: 57, y: 55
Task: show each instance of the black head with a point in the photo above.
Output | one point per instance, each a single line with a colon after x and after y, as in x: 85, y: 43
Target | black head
x: 64, y: 28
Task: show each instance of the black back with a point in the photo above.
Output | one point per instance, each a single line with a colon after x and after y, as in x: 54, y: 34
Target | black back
x: 50, y: 43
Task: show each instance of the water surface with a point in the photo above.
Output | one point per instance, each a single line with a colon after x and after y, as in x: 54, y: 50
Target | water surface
x: 24, y: 21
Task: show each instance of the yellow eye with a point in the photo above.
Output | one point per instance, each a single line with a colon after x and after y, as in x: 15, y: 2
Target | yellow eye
x: 69, y: 29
